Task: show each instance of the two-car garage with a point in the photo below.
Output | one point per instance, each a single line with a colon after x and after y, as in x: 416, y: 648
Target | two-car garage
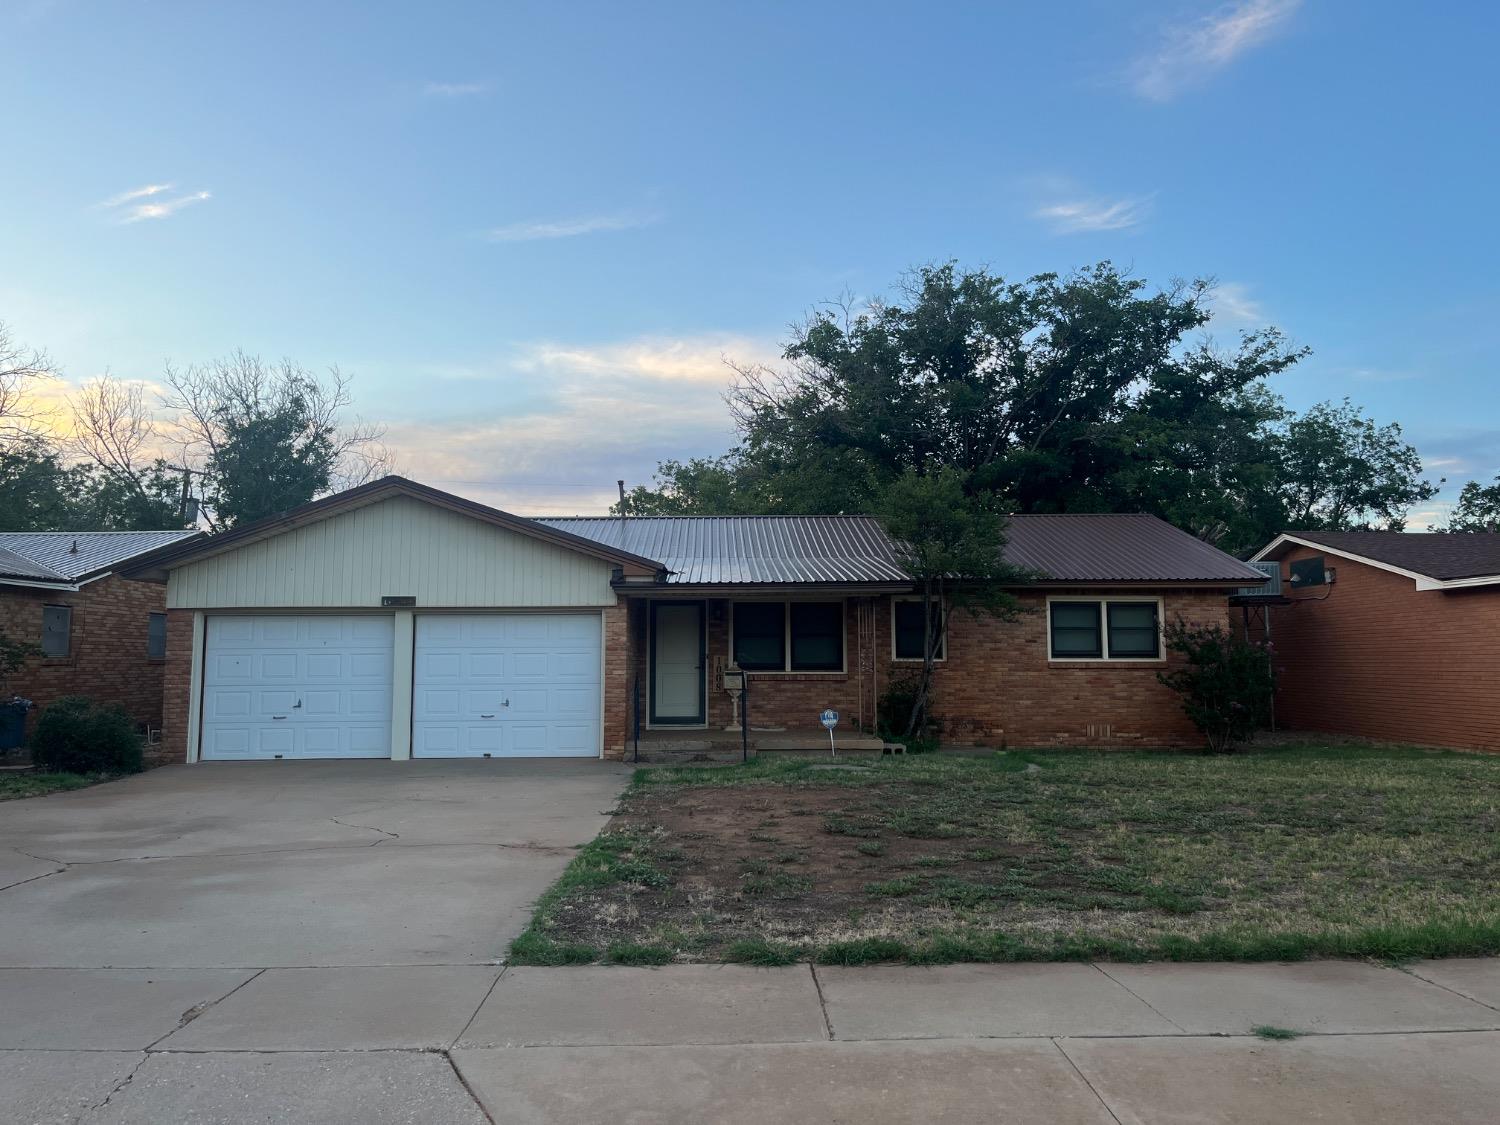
x: 395, y: 621
x: 322, y: 685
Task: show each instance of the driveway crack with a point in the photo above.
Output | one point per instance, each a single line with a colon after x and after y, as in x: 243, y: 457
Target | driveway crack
x: 366, y: 827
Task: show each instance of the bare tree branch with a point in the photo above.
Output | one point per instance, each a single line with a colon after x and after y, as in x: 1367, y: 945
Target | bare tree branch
x: 20, y: 367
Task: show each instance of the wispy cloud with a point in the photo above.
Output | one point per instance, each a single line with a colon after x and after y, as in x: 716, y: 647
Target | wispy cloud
x: 1192, y: 52
x: 1078, y: 216
x: 128, y: 208
x: 134, y: 193
x: 1233, y: 305
x: 568, y: 228
x: 577, y: 417
x: 455, y: 89
x: 162, y: 210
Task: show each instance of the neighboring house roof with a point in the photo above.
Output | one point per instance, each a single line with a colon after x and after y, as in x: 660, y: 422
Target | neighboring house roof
x: 155, y: 565
x: 67, y: 558
x: 1434, y: 560
x: 769, y: 550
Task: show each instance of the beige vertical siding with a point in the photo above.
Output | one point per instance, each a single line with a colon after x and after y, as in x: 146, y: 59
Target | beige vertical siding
x: 398, y: 546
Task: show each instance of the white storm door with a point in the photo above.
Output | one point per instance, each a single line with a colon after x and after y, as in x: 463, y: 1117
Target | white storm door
x: 297, y: 686
x: 506, y: 685
x: 677, y: 662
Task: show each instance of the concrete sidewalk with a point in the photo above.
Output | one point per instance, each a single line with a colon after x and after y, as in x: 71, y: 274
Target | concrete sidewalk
x: 469, y: 1043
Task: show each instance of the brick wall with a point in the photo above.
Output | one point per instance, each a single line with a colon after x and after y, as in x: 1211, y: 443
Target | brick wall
x: 178, y: 681
x: 106, y: 657
x: 618, y: 679
x: 1379, y: 658
x: 996, y: 686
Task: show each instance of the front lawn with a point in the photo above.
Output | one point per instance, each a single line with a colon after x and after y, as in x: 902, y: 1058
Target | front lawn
x: 1283, y: 853
x: 15, y: 785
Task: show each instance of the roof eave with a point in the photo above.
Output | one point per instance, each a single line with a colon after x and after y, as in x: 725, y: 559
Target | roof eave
x: 154, y: 565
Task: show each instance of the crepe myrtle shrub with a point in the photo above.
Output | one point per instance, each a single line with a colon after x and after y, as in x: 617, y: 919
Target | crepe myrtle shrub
x: 1225, y: 682
x: 77, y: 735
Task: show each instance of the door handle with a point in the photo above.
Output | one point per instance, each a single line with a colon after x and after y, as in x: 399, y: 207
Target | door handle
x: 278, y: 716
x: 486, y: 716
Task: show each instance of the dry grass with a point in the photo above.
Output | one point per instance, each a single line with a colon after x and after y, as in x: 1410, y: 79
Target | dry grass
x: 1281, y: 853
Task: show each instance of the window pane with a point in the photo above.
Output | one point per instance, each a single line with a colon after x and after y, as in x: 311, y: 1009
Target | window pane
x: 817, y: 636
x: 909, y: 636
x: 1075, y: 629
x: 156, y: 635
x: 1132, y: 629
x: 760, y: 635
x: 57, y: 621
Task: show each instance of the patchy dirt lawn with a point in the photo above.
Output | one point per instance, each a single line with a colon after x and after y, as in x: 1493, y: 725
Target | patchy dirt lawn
x: 1293, y: 852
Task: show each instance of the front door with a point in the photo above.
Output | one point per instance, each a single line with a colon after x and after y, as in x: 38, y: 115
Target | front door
x: 677, y: 662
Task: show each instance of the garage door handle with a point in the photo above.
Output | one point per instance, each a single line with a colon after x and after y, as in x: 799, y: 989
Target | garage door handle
x: 486, y: 716
x: 278, y: 716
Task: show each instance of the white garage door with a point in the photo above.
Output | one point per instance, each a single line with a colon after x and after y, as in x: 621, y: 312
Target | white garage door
x: 305, y: 686
x: 506, y: 685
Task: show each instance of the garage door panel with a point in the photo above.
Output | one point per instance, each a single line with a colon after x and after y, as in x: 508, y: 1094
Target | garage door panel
x: 297, y: 686
x: 544, y: 666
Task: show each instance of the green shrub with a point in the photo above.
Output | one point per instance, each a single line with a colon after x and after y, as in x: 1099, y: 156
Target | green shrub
x: 1225, y: 683
x: 77, y: 735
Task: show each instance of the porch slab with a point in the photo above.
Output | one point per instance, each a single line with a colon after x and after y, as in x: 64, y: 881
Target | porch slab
x: 362, y: 1009
x: 103, y: 1009
x: 955, y: 1083
x: 1334, y: 1080
x: 1322, y: 996
x: 696, y: 1004
x: 982, y: 1001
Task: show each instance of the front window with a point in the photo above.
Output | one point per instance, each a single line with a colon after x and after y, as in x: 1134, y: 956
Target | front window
x: 789, y: 636
x: 909, y: 632
x: 760, y: 636
x: 1107, y: 629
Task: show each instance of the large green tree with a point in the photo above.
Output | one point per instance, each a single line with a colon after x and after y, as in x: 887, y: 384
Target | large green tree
x: 1478, y: 508
x: 1088, y: 391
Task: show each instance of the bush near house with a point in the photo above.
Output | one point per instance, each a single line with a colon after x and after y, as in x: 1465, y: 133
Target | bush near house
x: 1225, y: 685
x: 77, y: 735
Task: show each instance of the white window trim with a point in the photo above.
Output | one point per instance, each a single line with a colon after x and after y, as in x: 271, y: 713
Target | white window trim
x: 1105, y: 658
x: 942, y: 655
x: 786, y: 637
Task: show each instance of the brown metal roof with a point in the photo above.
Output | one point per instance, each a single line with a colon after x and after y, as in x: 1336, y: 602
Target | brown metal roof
x: 732, y: 550
x: 1080, y: 547
x: 1441, y: 555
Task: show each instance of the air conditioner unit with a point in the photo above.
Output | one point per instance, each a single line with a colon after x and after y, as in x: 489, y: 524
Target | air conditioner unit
x: 1272, y: 586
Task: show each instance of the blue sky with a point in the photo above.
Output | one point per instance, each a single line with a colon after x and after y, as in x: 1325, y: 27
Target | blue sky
x: 532, y: 231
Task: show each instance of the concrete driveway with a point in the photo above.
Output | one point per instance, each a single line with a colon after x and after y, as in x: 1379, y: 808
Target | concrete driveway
x: 318, y: 942
x: 293, y: 863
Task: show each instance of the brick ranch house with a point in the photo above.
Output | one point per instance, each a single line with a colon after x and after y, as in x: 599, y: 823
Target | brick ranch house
x: 101, y: 634
x: 396, y: 621
x: 1389, y: 635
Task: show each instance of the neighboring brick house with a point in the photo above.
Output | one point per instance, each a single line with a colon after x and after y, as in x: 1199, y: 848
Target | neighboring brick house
x: 1389, y: 635
x: 397, y: 621
x: 101, y: 635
